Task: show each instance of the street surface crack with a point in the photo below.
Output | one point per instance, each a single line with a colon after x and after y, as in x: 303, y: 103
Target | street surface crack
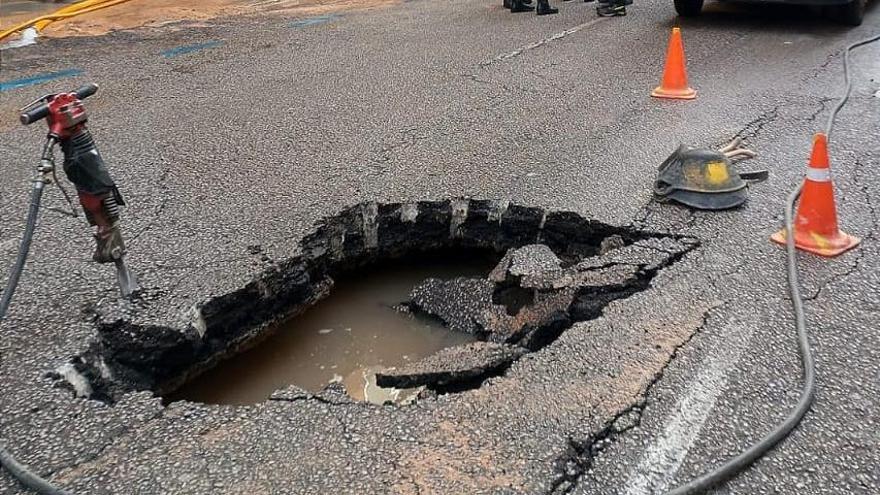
x: 163, y: 200
x: 580, y: 455
x: 315, y: 398
x: 531, y: 46
x: 823, y: 67
x: 823, y: 103
x: 755, y: 127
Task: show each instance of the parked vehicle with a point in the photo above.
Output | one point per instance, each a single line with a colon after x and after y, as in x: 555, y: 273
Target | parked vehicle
x: 846, y: 11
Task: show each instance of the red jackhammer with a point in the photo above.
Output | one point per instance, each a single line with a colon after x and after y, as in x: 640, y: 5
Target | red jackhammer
x: 84, y: 167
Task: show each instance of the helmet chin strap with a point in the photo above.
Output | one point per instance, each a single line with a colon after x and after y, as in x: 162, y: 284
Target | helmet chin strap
x: 734, y: 150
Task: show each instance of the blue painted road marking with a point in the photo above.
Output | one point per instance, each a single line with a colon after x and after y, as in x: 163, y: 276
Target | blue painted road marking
x: 183, y: 50
x: 313, y: 21
x: 30, y: 81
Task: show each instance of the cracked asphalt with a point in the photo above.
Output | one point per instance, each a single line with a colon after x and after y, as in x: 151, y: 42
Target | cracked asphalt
x: 251, y: 141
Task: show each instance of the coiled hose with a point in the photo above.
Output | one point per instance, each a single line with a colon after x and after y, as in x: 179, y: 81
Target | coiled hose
x: 734, y: 466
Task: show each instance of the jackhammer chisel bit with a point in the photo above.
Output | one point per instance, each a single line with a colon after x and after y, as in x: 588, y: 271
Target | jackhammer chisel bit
x: 128, y: 284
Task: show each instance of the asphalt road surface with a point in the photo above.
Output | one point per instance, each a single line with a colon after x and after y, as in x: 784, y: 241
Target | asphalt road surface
x: 270, y: 124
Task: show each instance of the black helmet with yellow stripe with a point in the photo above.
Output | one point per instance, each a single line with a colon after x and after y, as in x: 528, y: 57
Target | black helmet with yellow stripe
x: 702, y: 178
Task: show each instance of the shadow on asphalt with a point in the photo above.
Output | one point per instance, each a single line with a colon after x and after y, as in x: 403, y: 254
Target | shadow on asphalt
x: 766, y: 17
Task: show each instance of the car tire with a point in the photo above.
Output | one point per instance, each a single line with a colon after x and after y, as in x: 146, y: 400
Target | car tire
x: 850, y: 13
x: 689, y: 8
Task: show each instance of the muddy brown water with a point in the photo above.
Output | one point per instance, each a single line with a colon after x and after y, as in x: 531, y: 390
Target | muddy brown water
x: 344, y: 338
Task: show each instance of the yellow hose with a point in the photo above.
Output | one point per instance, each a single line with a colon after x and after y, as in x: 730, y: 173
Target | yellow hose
x: 73, y: 10
x: 74, y: 7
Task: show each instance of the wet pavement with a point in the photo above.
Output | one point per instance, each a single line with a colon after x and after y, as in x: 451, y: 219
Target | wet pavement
x: 251, y: 141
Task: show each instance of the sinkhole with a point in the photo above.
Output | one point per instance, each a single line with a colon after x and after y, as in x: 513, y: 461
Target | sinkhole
x: 391, y: 302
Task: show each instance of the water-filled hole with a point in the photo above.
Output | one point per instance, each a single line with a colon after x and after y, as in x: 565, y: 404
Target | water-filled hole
x: 345, y: 337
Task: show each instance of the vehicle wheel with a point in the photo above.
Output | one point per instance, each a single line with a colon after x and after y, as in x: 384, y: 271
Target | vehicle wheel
x: 851, y: 13
x: 690, y: 8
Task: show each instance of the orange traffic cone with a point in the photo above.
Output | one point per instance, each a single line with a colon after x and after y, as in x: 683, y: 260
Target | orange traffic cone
x: 815, y: 225
x: 675, y: 79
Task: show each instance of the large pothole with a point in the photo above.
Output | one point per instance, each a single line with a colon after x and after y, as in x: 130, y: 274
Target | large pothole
x: 556, y: 268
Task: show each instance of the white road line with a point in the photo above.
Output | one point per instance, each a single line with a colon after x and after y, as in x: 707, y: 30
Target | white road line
x: 663, y: 458
x: 532, y: 46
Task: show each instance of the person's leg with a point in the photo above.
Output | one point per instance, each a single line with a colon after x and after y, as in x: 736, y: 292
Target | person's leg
x: 508, y: 4
x: 521, y: 6
x: 544, y: 8
x: 611, y: 8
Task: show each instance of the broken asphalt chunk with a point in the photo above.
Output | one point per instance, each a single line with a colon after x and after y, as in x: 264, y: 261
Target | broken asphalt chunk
x: 452, y: 366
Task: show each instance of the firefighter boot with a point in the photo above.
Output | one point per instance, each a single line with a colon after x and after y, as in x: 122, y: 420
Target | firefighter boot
x: 544, y: 8
x: 520, y: 6
x: 611, y: 8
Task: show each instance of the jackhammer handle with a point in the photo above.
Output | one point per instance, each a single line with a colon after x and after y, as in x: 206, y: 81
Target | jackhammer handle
x: 40, y: 112
x: 86, y: 91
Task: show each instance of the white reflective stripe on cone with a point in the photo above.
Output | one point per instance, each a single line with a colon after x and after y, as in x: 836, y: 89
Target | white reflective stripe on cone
x: 819, y: 174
